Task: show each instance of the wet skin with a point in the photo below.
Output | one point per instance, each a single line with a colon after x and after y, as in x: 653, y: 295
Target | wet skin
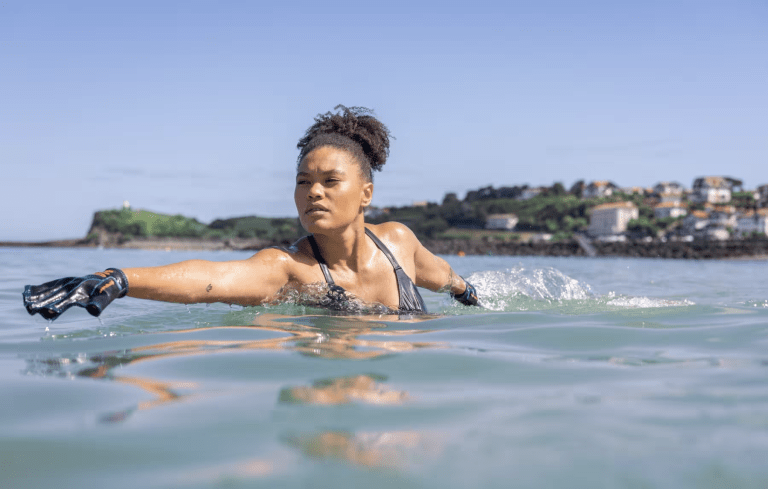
x: 330, y: 196
x: 330, y: 192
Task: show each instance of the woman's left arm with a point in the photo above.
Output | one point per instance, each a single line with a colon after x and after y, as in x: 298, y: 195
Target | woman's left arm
x: 431, y: 272
x: 434, y: 273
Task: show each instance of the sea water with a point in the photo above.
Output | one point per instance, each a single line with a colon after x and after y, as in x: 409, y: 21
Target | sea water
x: 599, y: 373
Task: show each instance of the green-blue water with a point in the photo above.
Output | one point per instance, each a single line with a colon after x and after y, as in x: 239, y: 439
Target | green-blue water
x: 600, y: 373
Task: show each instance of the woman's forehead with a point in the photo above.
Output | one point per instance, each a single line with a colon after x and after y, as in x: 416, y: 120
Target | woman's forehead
x: 327, y: 159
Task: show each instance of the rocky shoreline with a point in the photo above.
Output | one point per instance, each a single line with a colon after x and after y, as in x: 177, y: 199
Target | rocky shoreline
x: 756, y: 248
x: 167, y: 244
x: 730, y: 249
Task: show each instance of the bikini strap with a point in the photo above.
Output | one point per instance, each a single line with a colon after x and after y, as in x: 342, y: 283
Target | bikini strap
x: 383, y: 249
x: 320, y: 260
x: 324, y: 266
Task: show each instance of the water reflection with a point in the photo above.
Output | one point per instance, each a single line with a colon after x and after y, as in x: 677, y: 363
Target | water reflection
x: 322, y: 337
x: 390, y: 449
x: 317, y: 336
x: 344, y: 390
x: 394, y: 450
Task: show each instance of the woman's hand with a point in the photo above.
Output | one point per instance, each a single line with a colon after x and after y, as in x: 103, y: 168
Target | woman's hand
x: 93, y: 292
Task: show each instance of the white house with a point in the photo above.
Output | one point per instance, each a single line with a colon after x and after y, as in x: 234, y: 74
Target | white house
x: 501, y: 221
x: 722, y: 215
x: 598, y: 188
x: 710, y: 224
x: 669, y: 209
x: 608, y: 219
x: 695, y: 221
x: 715, y: 190
x: 753, y: 222
x: 668, y: 191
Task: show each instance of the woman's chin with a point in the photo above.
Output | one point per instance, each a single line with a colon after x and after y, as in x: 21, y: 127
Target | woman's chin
x: 315, y: 226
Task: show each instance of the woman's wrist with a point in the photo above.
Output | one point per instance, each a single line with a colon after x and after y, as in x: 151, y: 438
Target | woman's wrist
x: 468, y: 297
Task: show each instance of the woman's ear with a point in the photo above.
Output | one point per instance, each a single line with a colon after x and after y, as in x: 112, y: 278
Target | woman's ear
x: 367, y: 194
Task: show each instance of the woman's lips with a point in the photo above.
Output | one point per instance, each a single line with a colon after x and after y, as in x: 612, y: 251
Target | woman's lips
x: 315, y: 209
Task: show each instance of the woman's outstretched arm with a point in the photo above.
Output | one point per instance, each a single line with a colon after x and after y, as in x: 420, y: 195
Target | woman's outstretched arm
x: 245, y: 282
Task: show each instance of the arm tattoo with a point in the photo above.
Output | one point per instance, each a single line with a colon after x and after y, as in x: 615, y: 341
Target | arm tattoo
x: 451, y: 278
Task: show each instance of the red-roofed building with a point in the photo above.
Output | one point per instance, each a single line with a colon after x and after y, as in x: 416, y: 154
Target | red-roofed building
x: 599, y: 188
x: 670, y: 209
x: 715, y: 190
x: 611, y: 219
x: 753, y: 222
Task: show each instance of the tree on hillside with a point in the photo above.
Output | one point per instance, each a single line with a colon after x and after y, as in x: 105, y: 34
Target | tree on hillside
x: 557, y: 189
x: 577, y: 188
x: 450, y: 199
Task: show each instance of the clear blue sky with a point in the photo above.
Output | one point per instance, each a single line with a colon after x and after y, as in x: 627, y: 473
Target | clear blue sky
x: 195, y: 107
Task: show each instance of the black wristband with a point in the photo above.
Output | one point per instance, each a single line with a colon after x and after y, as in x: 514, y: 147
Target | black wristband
x: 122, y: 281
x: 468, y: 297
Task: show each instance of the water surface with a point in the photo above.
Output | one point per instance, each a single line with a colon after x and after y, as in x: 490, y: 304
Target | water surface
x: 578, y: 373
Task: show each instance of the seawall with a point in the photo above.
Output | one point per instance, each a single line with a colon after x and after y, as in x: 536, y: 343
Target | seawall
x: 748, y: 248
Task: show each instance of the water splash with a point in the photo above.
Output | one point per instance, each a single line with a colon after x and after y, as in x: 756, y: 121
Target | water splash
x: 521, y: 289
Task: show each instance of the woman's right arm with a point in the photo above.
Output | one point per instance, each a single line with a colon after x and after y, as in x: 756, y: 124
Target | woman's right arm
x: 245, y: 282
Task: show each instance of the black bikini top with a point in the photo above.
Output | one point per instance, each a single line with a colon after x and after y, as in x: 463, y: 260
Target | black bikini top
x: 410, y: 299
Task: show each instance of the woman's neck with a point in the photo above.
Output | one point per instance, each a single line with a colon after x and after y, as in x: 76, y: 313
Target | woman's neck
x: 347, y: 249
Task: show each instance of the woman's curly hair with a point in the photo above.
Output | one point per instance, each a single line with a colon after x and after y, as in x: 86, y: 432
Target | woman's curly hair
x: 353, y: 129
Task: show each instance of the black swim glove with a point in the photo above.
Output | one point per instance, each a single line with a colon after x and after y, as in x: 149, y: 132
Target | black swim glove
x: 93, y: 292
x: 469, y: 297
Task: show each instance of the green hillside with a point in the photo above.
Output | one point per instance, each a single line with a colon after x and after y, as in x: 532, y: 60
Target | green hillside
x: 129, y: 224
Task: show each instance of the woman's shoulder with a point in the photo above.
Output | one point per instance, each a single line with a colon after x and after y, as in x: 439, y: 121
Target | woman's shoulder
x: 394, y: 233
x: 299, y: 252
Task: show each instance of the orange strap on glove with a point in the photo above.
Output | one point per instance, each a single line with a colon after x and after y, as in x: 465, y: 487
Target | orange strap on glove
x: 93, y: 292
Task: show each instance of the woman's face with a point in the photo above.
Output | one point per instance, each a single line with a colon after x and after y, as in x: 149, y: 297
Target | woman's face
x: 330, y: 191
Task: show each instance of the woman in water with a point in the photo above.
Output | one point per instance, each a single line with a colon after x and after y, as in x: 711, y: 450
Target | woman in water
x: 362, y: 263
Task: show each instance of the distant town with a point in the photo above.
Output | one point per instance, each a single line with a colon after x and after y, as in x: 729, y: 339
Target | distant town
x: 715, y: 218
x: 714, y: 208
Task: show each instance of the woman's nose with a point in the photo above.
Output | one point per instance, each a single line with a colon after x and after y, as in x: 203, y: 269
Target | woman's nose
x: 315, y: 191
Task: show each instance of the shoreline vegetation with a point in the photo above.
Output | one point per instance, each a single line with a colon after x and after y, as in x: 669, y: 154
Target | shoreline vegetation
x: 551, y: 223
x: 752, y: 248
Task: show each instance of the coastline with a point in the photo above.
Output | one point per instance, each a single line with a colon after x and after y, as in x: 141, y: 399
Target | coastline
x: 168, y: 244
x: 743, y: 249
x: 747, y: 249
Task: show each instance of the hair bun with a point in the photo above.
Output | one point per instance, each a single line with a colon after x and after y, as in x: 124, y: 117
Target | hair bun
x: 359, y: 125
